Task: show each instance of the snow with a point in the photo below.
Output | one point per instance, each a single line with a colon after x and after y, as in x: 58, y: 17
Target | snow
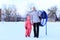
x: 16, y: 31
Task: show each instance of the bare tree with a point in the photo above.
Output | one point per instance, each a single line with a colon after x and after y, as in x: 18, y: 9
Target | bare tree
x: 52, y: 13
x: 0, y: 14
x: 7, y: 12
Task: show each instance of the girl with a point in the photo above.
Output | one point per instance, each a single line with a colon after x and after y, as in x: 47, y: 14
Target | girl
x: 28, y: 26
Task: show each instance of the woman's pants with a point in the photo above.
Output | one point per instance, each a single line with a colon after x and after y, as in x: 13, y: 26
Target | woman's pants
x: 36, y: 29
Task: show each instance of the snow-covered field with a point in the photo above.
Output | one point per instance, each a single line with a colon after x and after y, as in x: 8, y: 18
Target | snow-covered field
x: 16, y: 31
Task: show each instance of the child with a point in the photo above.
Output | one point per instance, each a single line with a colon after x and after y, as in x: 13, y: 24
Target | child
x: 28, y: 26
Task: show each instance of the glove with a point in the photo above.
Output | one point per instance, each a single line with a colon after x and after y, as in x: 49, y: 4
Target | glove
x: 25, y: 27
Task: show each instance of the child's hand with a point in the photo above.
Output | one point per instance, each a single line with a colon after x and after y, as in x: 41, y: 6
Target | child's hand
x: 31, y: 23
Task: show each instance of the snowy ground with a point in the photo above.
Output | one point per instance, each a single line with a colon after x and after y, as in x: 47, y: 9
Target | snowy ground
x: 16, y: 31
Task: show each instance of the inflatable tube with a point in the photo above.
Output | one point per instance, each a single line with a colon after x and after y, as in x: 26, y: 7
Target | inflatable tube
x: 43, y: 18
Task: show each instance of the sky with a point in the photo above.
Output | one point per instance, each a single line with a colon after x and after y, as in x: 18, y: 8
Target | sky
x: 24, y: 5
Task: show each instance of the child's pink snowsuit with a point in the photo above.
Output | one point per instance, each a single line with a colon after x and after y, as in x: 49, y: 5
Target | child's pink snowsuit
x: 28, y: 26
